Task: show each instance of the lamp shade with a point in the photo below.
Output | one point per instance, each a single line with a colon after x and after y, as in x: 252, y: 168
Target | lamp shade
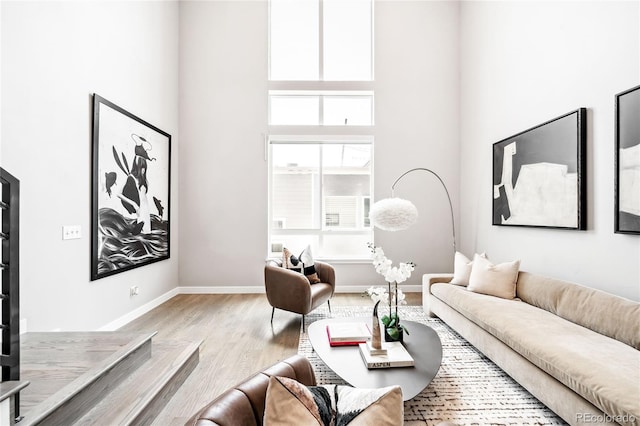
x: 393, y: 214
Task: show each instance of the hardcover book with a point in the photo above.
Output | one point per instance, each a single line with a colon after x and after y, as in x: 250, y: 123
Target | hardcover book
x: 397, y: 356
x: 348, y: 333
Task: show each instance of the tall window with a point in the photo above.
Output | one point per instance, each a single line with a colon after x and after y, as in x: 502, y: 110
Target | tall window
x: 321, y: 117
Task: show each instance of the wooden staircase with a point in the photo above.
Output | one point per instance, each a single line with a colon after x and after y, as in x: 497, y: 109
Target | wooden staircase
x: 100, y: 378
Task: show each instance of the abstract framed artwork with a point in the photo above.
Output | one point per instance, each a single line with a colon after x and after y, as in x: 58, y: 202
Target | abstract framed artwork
x: 627, y: 162
x: 539, y: 175
x: 131, y: 191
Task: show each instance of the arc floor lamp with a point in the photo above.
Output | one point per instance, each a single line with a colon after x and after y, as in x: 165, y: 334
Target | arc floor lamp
x: 397, y: 214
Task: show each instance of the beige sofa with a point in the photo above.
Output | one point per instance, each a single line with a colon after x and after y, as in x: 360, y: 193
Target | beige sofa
x: 574, y: 348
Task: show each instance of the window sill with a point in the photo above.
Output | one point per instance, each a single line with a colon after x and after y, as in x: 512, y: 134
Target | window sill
x: 341, y: 261
x: 346, y: 261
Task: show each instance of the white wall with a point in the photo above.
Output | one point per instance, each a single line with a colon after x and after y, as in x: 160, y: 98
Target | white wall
x: 417, y: 125
x: 523, y: 63
x: 223, y: 87
x: 55, y: 54
x: 223, y: 92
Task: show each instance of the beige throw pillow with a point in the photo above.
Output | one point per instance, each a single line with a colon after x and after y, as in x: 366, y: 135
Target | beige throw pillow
x: 494, y: 280
x: 462, y: 269
x: 289, y: 402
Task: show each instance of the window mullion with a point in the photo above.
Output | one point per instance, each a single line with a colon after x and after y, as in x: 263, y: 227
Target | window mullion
x: 320, y: 189
x: 321, y: 40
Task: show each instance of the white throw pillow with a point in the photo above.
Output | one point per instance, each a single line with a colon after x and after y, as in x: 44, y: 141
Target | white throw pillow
x: 494, y: 280
x: 462, y: 269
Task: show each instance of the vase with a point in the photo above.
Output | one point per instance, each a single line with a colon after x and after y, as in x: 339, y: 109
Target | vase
x: 388, y: 338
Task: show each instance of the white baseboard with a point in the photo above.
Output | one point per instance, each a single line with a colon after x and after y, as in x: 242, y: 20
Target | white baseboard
x: 260, y: 289
x: 125, y: 319
x: 222, y: 290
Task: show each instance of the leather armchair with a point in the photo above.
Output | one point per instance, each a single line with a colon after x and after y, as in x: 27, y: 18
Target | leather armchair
x: 244, y: 404
x: 291, y: 291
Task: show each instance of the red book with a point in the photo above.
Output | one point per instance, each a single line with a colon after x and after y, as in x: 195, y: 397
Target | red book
x: 348, y: 333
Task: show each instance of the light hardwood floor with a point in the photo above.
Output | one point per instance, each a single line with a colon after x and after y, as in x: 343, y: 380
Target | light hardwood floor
x: 237, y: 340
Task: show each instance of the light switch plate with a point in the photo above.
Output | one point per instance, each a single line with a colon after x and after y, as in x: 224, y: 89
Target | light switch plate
x: 71, y: 232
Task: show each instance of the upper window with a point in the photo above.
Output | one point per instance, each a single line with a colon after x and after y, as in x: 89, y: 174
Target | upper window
x: 332, y: 108
x: 326, y: 40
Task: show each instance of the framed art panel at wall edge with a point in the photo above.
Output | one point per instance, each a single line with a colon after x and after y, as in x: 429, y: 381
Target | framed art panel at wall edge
x: 131, y: 191
x: 539, y: 175
x: 627, y: 162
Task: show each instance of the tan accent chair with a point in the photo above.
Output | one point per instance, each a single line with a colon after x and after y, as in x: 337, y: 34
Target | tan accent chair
x: 291, y: 291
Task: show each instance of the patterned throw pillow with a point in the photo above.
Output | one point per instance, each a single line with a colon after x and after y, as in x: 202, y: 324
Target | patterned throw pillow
x: 291, y: 403
x: 304, y: 264
x: 309, y: 265
x: 290, y: 261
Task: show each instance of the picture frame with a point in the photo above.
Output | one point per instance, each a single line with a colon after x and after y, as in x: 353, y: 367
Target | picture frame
x: 539, y: 175
x: 627, y: 162
x: 131, y: 191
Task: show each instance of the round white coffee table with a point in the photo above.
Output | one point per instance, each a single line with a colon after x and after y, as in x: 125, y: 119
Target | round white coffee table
x: 423, y: 344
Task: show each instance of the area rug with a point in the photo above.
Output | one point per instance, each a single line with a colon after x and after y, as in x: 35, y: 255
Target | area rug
x: 469, y: 389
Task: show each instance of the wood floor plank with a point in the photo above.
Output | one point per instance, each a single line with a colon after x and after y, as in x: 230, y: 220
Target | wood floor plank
x: 237, y: 341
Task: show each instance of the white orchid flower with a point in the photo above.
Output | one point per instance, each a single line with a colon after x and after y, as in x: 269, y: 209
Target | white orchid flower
x: 393, y: 274
x: 400, y: 300
x: 378, y: 294
x: 383, y: 267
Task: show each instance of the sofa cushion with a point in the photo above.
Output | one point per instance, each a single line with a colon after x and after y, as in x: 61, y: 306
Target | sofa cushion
x: 605, y: 313
x: 604, y: 371
x: 291, y: 403
x: 462, y: 269
x: 495, y: 280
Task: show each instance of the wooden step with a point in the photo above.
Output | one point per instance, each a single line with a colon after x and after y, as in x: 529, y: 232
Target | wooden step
x: 142, y: 395
x: 70, y: 372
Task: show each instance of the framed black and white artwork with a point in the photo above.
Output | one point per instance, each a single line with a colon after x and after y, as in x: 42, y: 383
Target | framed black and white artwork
x: 627, y: 162
x: 131, y: 191
x: 539, y: 175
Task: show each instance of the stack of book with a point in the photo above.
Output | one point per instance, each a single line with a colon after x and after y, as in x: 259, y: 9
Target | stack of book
x: 396, y: 356
x: 348, y: 333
